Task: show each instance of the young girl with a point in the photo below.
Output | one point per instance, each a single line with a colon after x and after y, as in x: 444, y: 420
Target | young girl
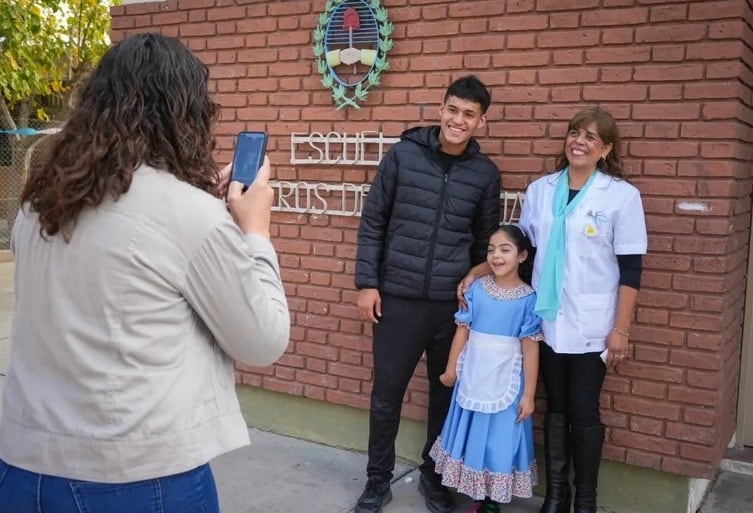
x: 485, y: 449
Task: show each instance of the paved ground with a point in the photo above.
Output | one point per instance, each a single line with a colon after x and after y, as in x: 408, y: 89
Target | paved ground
x: 277, y: 474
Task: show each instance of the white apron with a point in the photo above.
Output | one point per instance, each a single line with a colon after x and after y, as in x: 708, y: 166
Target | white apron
x: 489, y: 370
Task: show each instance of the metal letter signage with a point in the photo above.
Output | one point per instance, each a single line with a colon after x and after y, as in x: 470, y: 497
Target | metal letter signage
x: 351, y: 43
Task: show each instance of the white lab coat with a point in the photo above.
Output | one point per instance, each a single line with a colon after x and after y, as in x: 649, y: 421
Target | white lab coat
x: 609, y: 221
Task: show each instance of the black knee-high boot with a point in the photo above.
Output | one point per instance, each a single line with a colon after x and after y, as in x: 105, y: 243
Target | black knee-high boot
x: 557, y: 457
x: 587, y: 443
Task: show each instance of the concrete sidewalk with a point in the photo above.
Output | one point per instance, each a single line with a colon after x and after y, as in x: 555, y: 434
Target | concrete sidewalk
x: 277, y: 474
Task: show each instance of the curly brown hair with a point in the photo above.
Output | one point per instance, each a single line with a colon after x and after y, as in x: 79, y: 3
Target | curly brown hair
x: 147, y: 102
x: 609, y: 134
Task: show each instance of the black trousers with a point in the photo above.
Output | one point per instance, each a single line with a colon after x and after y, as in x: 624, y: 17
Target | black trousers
x: 407, y: 329
x: 573, y: 385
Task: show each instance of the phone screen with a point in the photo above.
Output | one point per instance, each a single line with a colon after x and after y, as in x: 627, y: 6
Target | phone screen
x: 249, y: 156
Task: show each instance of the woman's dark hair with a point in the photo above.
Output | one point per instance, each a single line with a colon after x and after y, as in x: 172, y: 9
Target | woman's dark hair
x: 147, y: 102
x: 607, y: 131
x: 518, y: 237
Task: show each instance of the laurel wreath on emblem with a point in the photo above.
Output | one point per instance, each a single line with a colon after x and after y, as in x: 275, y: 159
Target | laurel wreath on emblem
x: 361, y: 90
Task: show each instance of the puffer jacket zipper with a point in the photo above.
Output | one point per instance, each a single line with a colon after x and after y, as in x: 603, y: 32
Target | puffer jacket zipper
x: 435, y: 231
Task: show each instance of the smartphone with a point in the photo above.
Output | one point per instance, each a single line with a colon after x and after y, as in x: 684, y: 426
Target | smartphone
x: 249, y: 156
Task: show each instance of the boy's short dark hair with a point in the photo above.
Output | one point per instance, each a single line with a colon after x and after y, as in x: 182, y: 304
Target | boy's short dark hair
x: 470, y: 88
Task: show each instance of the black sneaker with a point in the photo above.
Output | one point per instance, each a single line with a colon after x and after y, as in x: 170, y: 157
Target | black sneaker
x: 376, y: 494
x: 438, y: 497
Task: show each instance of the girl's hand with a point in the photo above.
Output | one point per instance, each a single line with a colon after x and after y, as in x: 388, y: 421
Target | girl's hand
x: 525, y: 408
x: 448, y: 379
x: 617, y: 343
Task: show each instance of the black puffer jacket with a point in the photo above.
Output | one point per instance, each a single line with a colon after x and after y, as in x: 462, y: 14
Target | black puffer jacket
x: 423, y: 227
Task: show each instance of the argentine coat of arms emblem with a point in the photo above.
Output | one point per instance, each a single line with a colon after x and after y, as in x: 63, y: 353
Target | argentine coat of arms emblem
x: 351, y: 42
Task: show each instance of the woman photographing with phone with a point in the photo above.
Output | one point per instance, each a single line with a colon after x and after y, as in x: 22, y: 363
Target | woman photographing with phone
x: 136, y: 290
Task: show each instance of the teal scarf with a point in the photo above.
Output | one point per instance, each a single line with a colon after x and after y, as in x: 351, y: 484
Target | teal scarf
x: 553, y: 271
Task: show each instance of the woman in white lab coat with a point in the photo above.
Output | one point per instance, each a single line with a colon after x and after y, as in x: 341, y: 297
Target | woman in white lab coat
x: 587, y: 224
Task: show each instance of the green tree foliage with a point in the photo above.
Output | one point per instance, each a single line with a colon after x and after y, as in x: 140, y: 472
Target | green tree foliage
x: 48, y: 46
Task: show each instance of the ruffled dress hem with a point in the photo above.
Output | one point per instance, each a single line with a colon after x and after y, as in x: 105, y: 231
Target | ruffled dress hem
x: 479, y: 484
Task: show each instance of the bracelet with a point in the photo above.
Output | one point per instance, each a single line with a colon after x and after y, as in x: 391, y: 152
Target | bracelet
x: 623, y: 333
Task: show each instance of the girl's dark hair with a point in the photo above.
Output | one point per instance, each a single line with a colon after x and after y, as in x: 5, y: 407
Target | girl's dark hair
x: 607, y: 130
x: 147, y: 102
x: 518, y: 237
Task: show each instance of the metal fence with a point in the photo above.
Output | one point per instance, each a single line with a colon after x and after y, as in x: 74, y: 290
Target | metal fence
x: 19, y: 150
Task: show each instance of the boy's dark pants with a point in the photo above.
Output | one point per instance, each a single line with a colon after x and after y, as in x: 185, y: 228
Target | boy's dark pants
x: 407, y: 329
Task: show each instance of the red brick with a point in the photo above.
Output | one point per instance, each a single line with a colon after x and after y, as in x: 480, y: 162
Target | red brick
x: 433, y: 29
x: 290, y: 7
x: 663, y: 149
x: 707, y: 304
x: 645, y: 407
x: 287, y: 387
x: 349, y: 371
x: 514, y: 6
x: 691, y: 434
x: 721, y: 90
x: 717, y: 10
x: 567, y: 57
x: 699, y: 416
x: 617, y: 36
x: 645, y: 425
x: 668, y: 53
x: 611, y: 55
x: 700, y: 379
x: 564, y: 20
x: 663, y: 299
x: 730, y: 29
x: 670, y: 33
x: 557, y: 5
x: 649, y: 389
x: 518, y: 23
x: 195, y: 4
x: 169, y: 18
x: 478, y: 8
x: 568, y: 38
x: 609, y: 17
x: 359, y: 400
x: 644, y: 442
x: 678, y: 72
x: 697, y: 452
x: 643, y: 459
x: 668, y: 13
x: 197, y: 29
x: 686, y: 468
x: 694, y: 396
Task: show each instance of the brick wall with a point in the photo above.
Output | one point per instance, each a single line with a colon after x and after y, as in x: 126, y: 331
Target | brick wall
x: 677, y: 76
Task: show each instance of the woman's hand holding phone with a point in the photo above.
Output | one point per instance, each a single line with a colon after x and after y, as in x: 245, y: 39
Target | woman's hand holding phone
x: 251, y: 210
x: 224, y: 180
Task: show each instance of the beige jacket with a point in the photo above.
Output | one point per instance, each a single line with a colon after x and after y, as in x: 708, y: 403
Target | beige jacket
x: 123, y: 340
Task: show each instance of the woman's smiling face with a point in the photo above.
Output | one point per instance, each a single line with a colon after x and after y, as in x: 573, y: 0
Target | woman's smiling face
x: 584, y: 147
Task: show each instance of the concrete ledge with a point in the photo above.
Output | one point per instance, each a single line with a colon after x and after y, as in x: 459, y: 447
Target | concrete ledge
x: 622, y: 488
x: 326, y: 423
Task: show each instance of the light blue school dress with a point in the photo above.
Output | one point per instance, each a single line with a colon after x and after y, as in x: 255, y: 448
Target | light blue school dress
x: 482, y: 451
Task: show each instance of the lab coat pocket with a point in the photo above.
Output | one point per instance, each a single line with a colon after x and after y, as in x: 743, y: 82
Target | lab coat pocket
x: 595, y: 315
x: 597, y: 230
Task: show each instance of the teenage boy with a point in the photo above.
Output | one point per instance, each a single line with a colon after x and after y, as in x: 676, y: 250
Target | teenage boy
x: 427, y: 219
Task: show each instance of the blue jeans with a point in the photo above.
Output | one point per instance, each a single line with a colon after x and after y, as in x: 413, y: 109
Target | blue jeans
x: 26, y: 492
